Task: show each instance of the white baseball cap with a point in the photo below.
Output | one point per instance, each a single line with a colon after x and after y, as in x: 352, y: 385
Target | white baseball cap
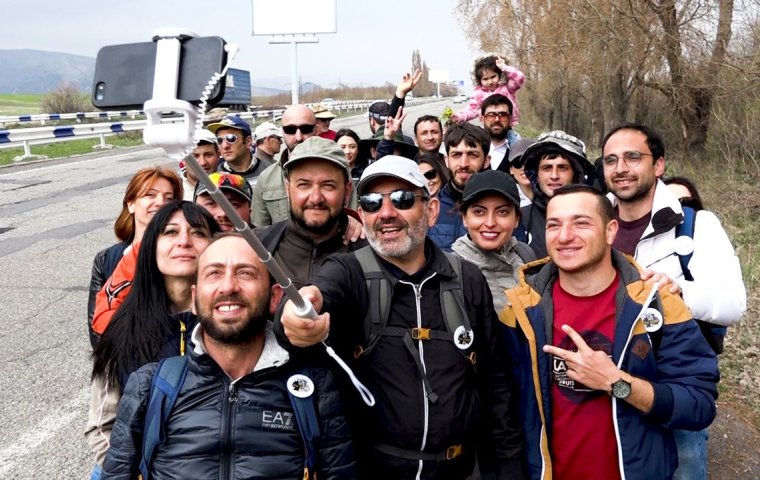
x: 396, y: 167
x: 265, y: 130
x: 204, y: 135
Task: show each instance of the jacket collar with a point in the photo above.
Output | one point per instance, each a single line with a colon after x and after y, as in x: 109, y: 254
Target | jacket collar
x: 272, y: 356
x: 666, y: 210
x: 435, y: 263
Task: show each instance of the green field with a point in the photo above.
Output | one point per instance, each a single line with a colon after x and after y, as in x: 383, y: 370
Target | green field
x: 73, y: 147
x: 20, y: 104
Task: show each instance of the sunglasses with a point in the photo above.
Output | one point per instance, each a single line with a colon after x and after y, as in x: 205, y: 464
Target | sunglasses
x: 229, y: 138
x: 401, y: 199
x: 431, y: 174
x: 292, y: 129
x: 494, y: 115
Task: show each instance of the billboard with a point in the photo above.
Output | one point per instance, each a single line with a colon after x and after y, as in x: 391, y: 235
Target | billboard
x: 438, y: 76
x: 284, y: 17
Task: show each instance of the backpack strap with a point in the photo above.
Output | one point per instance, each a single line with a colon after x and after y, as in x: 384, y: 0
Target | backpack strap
x: 714, y: 334
x: 164, y: 390
x: 302, y: 393
x: 379, y: 289
x: 452, y: 298
x: 686, y: 228
x: 525, y: 253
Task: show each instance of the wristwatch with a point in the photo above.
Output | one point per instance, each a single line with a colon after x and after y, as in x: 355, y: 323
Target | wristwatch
x: 621, y: 389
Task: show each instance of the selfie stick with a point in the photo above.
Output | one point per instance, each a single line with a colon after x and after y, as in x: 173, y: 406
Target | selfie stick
x: 178, y: 141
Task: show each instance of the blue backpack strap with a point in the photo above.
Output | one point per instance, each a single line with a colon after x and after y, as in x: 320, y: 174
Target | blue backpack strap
x: 165, y: 387
x: 686, y: 229
x: 302, y: 393
x: 715, y: 334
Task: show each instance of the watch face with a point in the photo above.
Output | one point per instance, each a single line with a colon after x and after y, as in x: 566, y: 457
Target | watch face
x: 621, y: 389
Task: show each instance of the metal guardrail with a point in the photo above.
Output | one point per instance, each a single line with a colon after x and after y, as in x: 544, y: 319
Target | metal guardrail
x: 27, y: 137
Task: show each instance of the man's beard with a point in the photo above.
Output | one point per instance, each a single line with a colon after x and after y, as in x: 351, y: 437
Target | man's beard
x: 321, y: 229
x: 415, y: 236
x: 238, y: 336
x: 498, y: 135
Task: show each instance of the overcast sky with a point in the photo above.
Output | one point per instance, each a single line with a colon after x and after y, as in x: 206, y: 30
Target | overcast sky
x: 373, y: 43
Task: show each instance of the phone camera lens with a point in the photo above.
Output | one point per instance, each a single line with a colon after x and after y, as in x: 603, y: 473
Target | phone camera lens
x: 100, y: 90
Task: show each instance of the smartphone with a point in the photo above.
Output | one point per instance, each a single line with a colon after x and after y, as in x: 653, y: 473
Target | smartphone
x: 124, y: 73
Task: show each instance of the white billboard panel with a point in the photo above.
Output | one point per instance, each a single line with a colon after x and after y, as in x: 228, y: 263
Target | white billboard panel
x: 284, y: 17
x: 438, y: 76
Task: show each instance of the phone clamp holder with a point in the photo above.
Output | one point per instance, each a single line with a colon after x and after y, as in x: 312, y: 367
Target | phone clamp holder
x: 177, y: 139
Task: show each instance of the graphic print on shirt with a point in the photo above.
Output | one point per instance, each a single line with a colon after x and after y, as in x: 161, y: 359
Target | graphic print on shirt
x: 577, y: 392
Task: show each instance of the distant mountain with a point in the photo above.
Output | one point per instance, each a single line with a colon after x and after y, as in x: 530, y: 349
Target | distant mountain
x: 36, y: 71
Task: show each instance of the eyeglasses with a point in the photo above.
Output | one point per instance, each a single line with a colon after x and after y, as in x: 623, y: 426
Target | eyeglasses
x: 493, y: 115
x: 630, y: 158
x: 292, y: 129
x: 229, y: 138
x: 431, y: 174
x: 401, y: 199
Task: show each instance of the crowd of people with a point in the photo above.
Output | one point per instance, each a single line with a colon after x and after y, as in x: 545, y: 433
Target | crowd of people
x: 516, y: 309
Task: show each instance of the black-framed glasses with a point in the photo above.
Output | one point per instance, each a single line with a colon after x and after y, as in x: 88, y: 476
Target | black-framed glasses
x: 494, y: 115
x: 431, y: 174
x: 631, y: 158
x: 292, y: 129
x: 229, y: 138
x: 401, y: 200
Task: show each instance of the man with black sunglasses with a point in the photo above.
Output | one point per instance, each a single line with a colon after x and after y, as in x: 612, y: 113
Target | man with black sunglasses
x: 704, y: 266
x: 441, y: 385
x: 234, y: 137
x: 270, y: 201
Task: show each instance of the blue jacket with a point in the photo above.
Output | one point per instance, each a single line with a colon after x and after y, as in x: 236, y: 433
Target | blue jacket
x: 449, y: 225
x: 676, y: 360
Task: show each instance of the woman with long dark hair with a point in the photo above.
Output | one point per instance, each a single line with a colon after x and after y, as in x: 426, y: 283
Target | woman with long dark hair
x: 150, y: 189
x: 155, y: 319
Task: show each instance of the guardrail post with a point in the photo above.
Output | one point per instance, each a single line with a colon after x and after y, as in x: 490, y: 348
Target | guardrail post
x: 27, y: 149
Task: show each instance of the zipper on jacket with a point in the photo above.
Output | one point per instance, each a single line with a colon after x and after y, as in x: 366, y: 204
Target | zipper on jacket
x: 228, y: 414
x: 425, y: 408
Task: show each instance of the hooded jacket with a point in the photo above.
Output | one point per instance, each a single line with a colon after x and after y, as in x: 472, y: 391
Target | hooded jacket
x: 717, y: 294
x: 677, y: 361
x: 449, y: 225
x: 227, y: 429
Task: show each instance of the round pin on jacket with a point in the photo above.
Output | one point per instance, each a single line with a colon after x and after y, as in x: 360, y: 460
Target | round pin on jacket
x: 652, y: 319
x: 684, y: 245
x: 300, y: 385
x: 463, y: 338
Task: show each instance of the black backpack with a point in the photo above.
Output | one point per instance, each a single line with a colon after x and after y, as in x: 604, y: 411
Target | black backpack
x: 458, y: 327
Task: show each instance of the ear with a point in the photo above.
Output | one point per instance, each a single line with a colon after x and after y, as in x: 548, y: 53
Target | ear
x: 434, y: 208
x: 464, y: 218
x: 131, y: 208
x: 249, y: 140
x: 192, y: 296
x: 487, y: 163
x: 610, y: 231
x: 275, y: 297
x: 287, y: 189
x: 659, y: 167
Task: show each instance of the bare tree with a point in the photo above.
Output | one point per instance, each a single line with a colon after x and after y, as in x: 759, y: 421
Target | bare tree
x: 66, y: 98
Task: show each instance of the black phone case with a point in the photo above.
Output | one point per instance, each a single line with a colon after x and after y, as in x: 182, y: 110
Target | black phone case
x: 124, y: 73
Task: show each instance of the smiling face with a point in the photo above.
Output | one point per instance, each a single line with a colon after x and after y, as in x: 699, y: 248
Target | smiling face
x: 318, y: 190
x: 632, y: 184
x: 178, y: 247
x: 241, y: 205
x: 233, y: 297
x: 577, y: 238
x: 144, y: 207
x: 398, y: 234
x: 553, y: 172
x: 490, y: 221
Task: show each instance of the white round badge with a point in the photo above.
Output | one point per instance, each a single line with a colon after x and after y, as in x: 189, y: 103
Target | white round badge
x: 463, y: 338
x: 652, y: 319
x: 684, y: 245
x: 300, y: 385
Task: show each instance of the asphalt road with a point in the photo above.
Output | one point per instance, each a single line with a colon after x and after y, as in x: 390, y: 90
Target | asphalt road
x: 54, y: 217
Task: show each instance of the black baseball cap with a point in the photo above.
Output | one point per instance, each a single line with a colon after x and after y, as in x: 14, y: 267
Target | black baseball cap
x: 490, y: 181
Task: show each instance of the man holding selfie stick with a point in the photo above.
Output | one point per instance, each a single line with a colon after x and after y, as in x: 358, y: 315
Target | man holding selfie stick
x: 437, y: 373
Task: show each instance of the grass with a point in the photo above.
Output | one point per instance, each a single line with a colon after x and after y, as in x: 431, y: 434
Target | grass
x: 733, y: 193
x: 20, y: 104
x: 73, y: 147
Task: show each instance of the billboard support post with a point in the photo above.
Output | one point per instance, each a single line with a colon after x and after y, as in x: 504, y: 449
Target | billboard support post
x: 294, y: 40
